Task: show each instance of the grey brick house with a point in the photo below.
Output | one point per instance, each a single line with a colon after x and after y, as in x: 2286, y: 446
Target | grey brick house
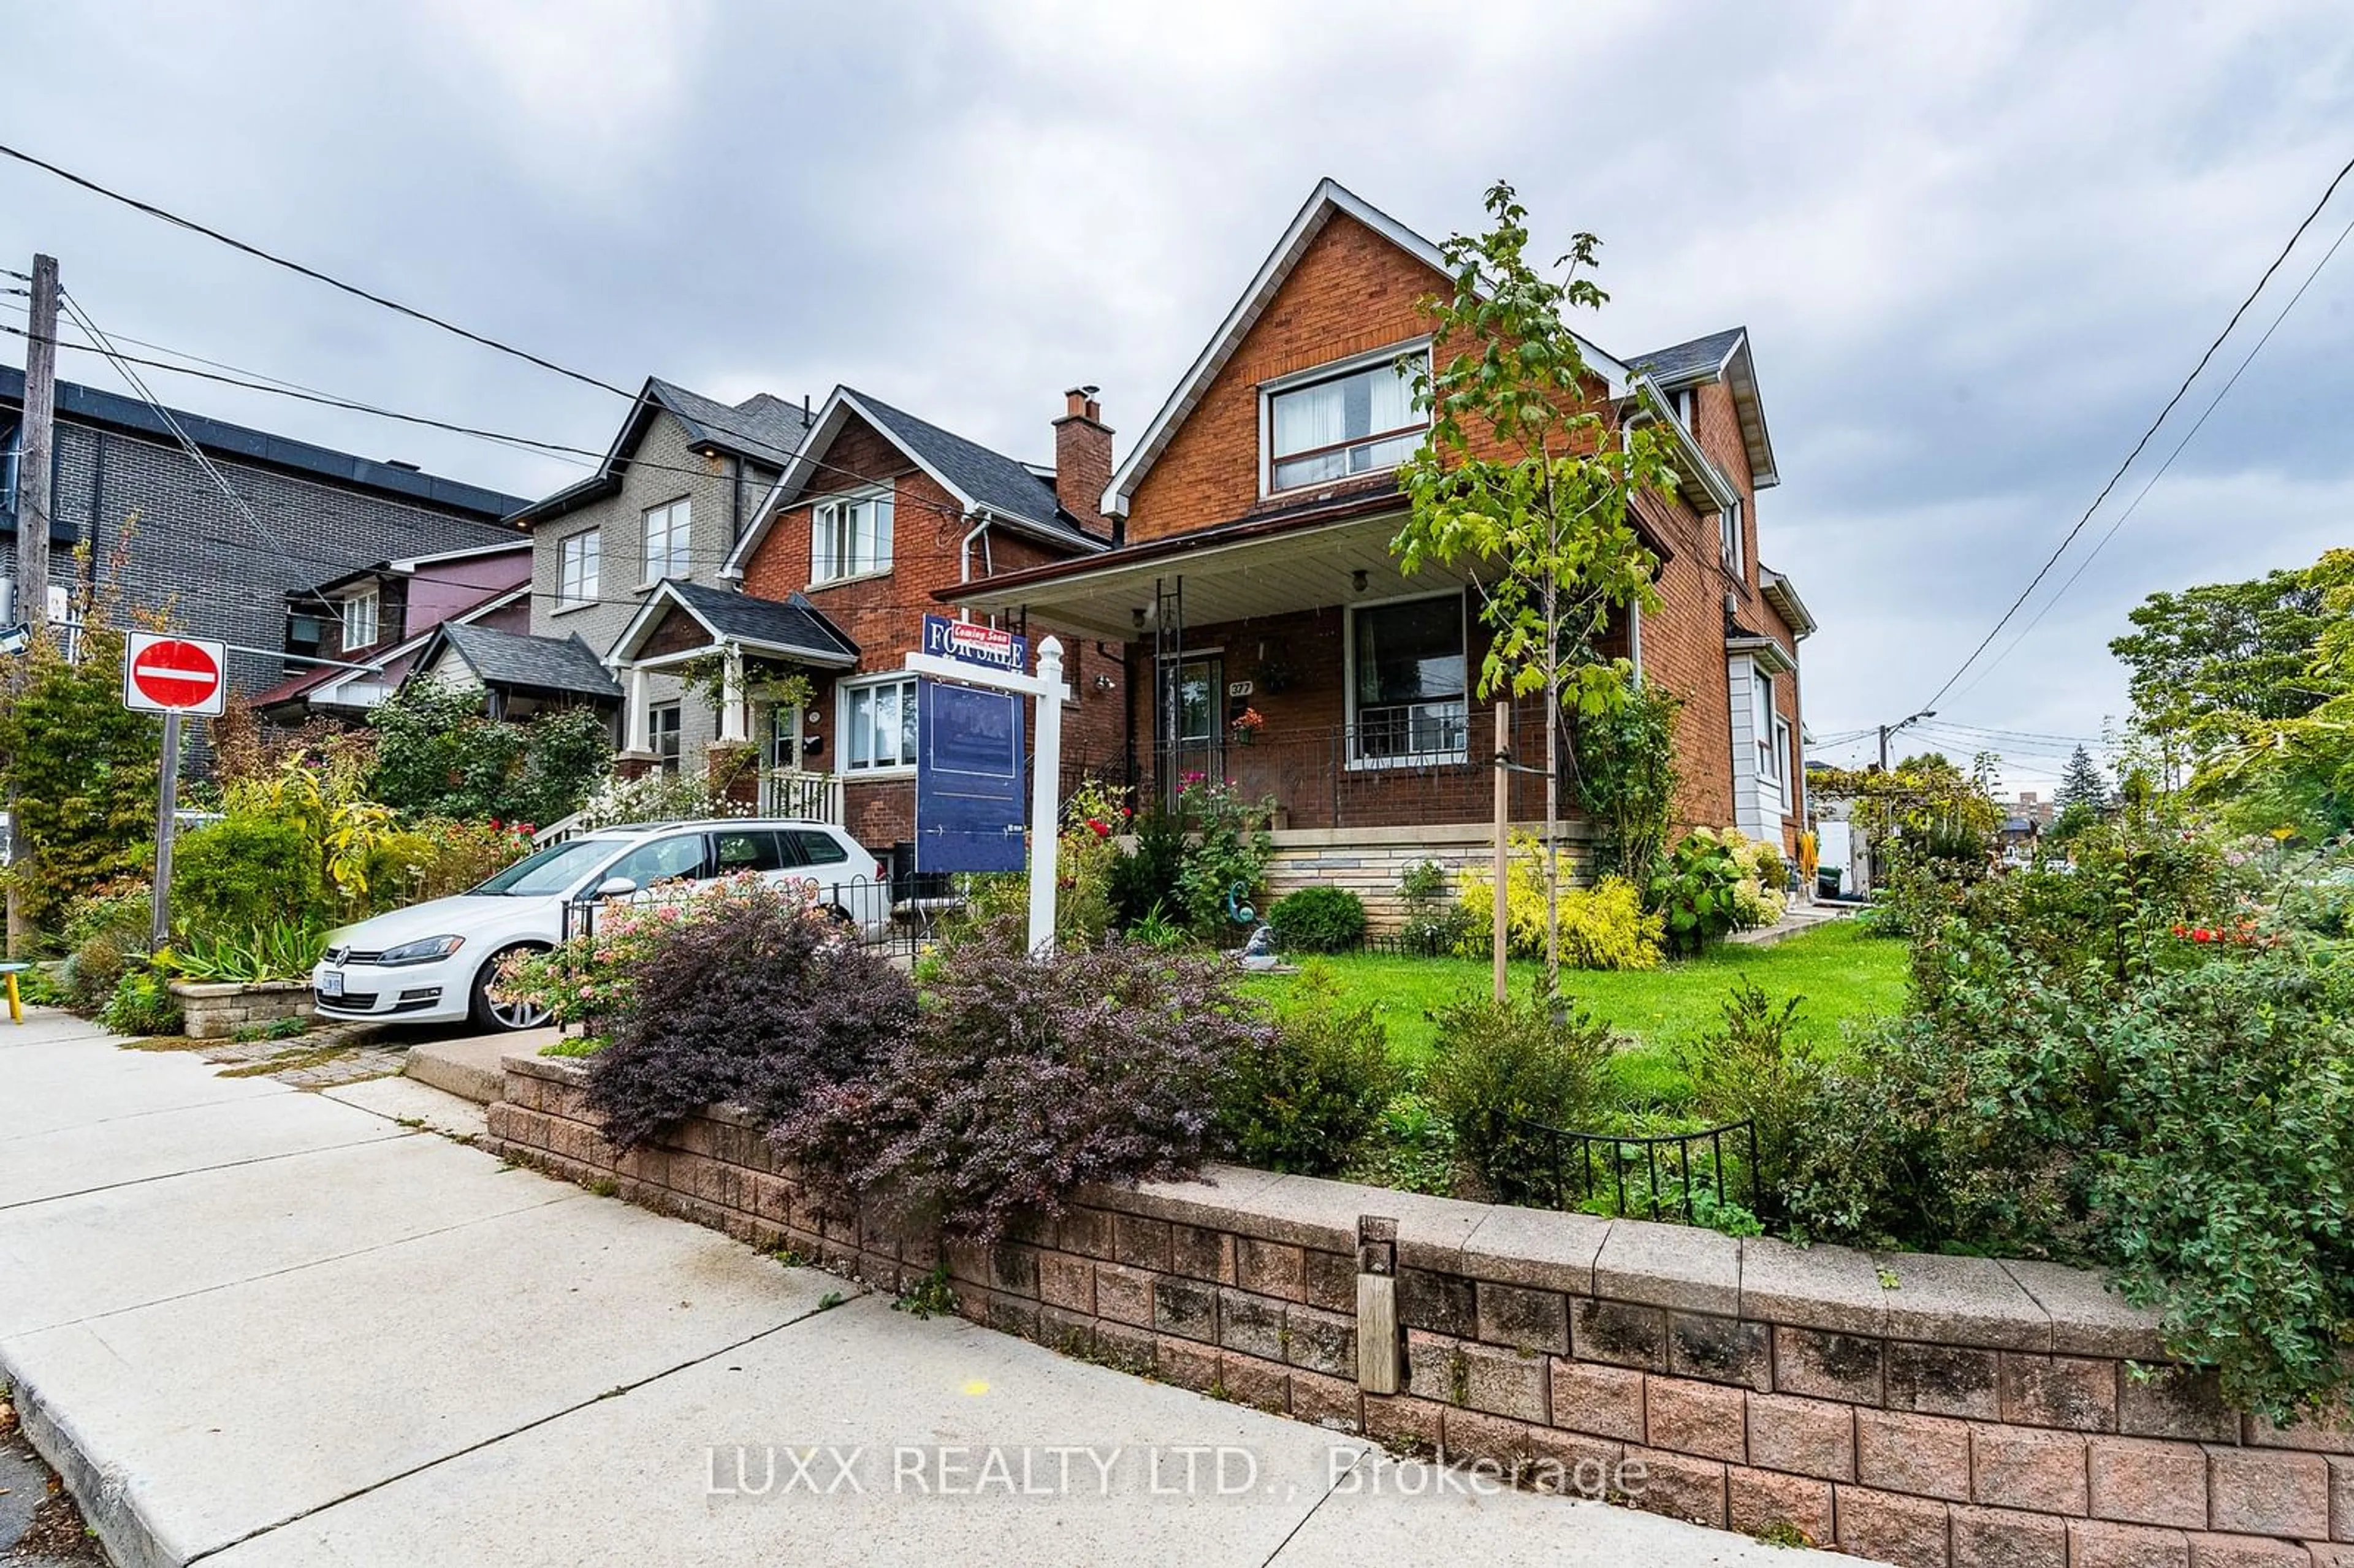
x: 316, y: 513
x: 677, y: 490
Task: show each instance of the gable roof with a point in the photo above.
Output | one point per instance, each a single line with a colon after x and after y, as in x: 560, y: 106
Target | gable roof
x: 988, y: 485
x: 790, y: 628
x: 515, y: 658
x: 763, y: 427
x: 87, y: 406
x: 1328, y: 199
x: 1720, y: 356
x: 335, y: 672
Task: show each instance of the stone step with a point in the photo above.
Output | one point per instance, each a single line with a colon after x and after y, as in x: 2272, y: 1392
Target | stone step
x: 470, y: 1067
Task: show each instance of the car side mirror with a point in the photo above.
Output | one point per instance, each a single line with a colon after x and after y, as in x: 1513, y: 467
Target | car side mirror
x: 615, y: 886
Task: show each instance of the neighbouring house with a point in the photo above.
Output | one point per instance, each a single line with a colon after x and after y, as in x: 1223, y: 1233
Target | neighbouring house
x: 667, y: 505
x: 1251, y: 573
x: 222, y: 563
x: 518, y: 675
x: 877, y: 511
x: 351, y: 640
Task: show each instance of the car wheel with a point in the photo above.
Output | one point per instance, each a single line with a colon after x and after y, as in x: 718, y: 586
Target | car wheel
x: 841, y: 916
x: 489, y: 1014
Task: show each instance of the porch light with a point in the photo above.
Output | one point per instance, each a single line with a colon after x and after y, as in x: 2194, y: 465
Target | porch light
x: 1357, y: 580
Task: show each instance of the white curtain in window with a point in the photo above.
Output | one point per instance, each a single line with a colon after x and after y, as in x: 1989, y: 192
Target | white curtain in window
x: 1312, y: 417
x: 1392, y: 399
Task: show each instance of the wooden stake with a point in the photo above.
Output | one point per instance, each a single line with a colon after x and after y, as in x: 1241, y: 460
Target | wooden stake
x: 1503, y: 831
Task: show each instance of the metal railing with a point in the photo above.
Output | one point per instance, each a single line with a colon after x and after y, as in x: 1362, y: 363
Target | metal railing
x: 806, y: 797
x: 901, y: 916
x: 1594, y: 1164
x: 1371, y: 775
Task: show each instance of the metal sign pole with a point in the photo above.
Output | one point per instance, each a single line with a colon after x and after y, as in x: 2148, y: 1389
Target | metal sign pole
x: 166, y: 801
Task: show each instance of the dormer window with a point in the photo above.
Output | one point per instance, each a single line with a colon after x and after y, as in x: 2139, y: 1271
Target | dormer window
x: 1338, y: 421
x: 359, y: 620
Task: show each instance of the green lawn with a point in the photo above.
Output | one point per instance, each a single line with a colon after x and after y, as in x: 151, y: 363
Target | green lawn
x: 1845, y: 977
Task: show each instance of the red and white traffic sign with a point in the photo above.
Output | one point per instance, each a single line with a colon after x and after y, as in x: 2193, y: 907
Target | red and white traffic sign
x: 167, y: 674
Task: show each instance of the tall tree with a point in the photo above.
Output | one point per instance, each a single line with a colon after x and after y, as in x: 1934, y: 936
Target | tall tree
x: 2083, y: 784
x: 1527, y: 479
x: 2204, y: 661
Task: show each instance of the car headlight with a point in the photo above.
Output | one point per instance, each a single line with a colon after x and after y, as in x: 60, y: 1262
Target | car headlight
x: 422, y: 952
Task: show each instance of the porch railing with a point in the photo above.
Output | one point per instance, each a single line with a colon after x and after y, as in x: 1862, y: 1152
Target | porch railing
x: 809, y: 796
x: 1383, y: 774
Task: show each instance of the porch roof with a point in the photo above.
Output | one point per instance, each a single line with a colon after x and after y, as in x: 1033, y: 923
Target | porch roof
x: 1246, y: 570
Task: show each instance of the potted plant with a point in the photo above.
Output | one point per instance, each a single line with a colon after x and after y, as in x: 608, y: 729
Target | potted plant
x: 1245, y: 726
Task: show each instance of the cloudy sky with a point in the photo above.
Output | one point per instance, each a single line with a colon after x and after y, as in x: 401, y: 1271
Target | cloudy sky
x: 1976, y: 245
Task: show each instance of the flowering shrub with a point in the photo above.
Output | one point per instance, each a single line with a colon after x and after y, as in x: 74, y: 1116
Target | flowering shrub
x: 1025, y: 1076
x: 1758, y: 899
x: 746, y: 995
x: 1087, y: 859
x: 658, y: 798
x: 1226, y: 850
x: 1695, y: 890
x: 1602, y: 927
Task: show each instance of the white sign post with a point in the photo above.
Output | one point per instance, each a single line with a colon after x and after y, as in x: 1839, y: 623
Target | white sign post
x: 1047, y: 694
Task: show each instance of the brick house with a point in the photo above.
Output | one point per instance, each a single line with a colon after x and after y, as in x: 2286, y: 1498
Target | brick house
x: 875, y: 513
x: 1252, y: 573
x: 222, y: 568
x: 353, y: 638
x: 667, y: 505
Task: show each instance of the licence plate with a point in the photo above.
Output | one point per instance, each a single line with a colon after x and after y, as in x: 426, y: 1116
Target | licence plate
x: 331, y: 982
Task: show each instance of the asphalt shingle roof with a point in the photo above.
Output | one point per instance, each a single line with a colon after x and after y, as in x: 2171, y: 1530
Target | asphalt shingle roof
x: 1687, y: 361
x: 762, y: 426
x: 997, y: 481
x: 793, y: 623
x: 542, y: 663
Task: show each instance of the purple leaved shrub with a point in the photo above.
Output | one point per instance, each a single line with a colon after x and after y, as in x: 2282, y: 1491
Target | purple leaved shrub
x: 749, y: 997
x: 1025, y: 1078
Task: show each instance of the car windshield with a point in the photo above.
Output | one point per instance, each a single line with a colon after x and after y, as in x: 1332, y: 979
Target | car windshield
x: 553, y: 870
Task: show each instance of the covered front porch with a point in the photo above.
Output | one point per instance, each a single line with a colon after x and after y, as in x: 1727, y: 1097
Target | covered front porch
x: 757, y: 663
x: 1297, y: 663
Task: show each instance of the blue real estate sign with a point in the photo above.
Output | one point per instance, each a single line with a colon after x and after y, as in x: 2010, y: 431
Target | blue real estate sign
x: 969, y: 783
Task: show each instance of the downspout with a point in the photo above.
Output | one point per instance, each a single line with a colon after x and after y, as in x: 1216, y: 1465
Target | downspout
x: 964, y: 550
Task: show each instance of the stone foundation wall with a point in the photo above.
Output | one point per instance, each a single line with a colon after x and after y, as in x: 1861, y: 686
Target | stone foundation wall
x: 1369, y: 862
x: 219, y: 1012
x: 1931, y: 1412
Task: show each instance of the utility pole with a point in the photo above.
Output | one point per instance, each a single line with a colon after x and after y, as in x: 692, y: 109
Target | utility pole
x: 1898, y: 728
x: 34, y: 455
x: 34, y: 463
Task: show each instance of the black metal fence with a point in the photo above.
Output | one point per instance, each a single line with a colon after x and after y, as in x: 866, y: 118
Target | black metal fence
x: 1663, y: 1173
x: 900, y: 916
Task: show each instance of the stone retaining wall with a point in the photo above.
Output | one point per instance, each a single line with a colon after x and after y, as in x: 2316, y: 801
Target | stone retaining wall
x: 1932, y: 1411
x: 217, y: 1012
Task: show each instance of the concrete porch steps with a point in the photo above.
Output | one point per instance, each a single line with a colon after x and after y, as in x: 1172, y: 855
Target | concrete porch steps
x: 470, y: 1067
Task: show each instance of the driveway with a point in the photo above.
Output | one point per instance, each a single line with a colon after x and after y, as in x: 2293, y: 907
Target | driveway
x: 253, y: 1324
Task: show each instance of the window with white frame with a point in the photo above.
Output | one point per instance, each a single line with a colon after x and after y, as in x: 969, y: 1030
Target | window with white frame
x: 1355, y: 422
x: 1781, y: 748
x: 1762, y: 722
x: 666, y: 540
x: 1408, y: 681
x: 360, y: 612
x: 850, y: 537
x: 662, y: 736
x: 878, y: 725
x: 1728, y: 524
x: 575, y: 568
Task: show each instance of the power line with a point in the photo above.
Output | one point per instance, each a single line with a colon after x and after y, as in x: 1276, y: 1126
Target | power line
x: 2146, y: 435
x: 2135, y: 505
x: 312, y: 272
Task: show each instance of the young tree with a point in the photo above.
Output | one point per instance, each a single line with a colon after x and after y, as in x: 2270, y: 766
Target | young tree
x: 1528, y: 480
x: 2083, y: 785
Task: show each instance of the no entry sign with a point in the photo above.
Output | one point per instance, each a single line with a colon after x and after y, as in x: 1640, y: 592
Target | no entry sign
x: 165, y: 674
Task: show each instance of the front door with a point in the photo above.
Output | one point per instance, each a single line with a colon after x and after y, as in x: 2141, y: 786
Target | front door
x: 1194, y: 737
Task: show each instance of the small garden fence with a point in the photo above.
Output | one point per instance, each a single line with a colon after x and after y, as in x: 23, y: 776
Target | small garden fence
x: 1663, y: 1175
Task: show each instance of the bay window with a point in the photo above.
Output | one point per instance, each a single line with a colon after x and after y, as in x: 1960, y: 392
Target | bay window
x: 849, y: 538
x: 878, y: 725
x: 1355, y: 422
x: 1408, y: 681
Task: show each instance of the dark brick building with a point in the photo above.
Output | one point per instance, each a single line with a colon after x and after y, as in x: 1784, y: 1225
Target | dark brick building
x: 168, y: 537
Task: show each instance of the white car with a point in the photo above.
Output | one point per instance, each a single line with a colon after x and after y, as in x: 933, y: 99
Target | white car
x: 433, y: 962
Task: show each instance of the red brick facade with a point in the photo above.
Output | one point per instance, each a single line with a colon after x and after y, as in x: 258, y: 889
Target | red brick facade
x: 882, y: 613
x: 1353, y: 291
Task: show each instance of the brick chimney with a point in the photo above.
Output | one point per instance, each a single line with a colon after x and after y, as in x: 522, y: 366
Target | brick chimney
x: 1083, y: 460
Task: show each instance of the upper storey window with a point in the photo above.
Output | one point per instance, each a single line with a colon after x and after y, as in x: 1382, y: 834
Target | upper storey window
x: 1353, y: 421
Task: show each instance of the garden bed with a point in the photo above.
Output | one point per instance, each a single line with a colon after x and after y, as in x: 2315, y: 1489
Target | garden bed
x: 1923, y: 1410
x: 219, y: 1012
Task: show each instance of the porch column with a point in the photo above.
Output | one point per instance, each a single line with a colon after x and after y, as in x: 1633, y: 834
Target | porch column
x: 637, y: 740
x: 731, y: 697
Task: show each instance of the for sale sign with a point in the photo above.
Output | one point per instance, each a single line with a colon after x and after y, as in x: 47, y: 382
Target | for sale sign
x: 970, y: 643
x: 167, y: 675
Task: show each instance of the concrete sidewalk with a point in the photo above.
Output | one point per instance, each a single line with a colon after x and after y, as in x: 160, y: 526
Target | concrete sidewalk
x: 253, y: 1326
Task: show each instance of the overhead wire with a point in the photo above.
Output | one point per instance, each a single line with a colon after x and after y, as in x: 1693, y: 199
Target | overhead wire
x: 2147, y: 436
